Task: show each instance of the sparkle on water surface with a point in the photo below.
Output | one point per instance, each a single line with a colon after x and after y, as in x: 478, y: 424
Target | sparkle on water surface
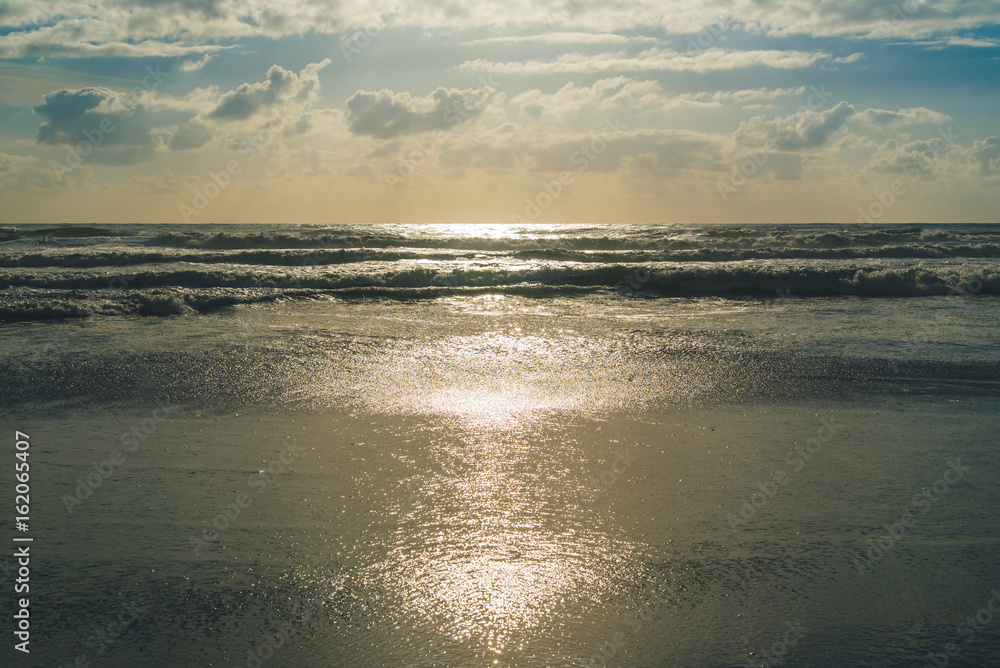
x: 505, y: 540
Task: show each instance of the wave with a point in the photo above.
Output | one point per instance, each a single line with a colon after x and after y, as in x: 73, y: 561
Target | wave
x: 287, y: 258
x: 74, y: 258
x: 176, y: 291
x: 626, y: 239
x: 72, y: 271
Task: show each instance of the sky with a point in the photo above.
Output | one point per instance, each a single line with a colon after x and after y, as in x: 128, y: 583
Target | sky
x: 346, y: 111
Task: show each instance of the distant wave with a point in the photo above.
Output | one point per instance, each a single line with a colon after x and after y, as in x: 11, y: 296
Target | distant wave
x: 77, y: 258
x: 651, y: 239
x: 62, y: 232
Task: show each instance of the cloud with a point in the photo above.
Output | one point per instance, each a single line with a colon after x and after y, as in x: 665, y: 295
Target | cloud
x: 159, y: 28
x: 661, y: 153
x: 98, y: 115
x: 986, y: 155
x: 562, y: 38
x: 751, y: 98
x: 385, y: 114
x: 123, y: 128
x: 179, y: 28
x: 921, y: 158
x: 631, y: 97
x: 207, y: 9
x: 800, y: 131
x: 562, y: 108
x: 91, y: 37
x: 279, y: 90
x: 954, y: 40
x: 190, y: 136
x: 24, y: 174
x: 654, y: 59
x: 194, y: 65
x: 881, y: 118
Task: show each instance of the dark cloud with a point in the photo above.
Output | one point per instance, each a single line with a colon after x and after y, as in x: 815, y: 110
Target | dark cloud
x: 96, y: 115
x: 385, y: 114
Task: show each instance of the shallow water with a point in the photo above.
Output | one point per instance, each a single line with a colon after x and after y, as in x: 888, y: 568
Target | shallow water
x: 494, y: 479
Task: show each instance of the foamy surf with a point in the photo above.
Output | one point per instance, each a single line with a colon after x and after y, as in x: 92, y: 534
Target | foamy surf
x: 161, y: 270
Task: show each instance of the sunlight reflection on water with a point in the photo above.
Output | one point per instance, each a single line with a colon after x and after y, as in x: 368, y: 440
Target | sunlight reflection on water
x: 504, y: 545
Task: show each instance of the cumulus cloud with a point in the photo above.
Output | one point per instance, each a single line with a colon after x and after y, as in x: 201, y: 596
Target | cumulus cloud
x: 564, y: 106
x: 127, y: 128
x: 631, y: 97
x: 24, y: 174
x: 280, y: 90
x: 98, y: 115
x: 800, y: 131
x: 385, y: 114
x: 986, y: 155
x: 921, y: 158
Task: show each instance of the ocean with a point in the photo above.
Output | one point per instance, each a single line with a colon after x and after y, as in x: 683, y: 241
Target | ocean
x: 478, y: 445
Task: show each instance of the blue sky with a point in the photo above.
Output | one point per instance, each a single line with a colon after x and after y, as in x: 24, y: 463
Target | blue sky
x: 341, y: 111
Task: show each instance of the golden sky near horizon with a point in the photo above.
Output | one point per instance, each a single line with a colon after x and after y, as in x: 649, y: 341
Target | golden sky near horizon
x: 329, y: 112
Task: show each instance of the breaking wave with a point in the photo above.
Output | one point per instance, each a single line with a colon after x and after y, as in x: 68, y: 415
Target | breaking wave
x: 77, y: 271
